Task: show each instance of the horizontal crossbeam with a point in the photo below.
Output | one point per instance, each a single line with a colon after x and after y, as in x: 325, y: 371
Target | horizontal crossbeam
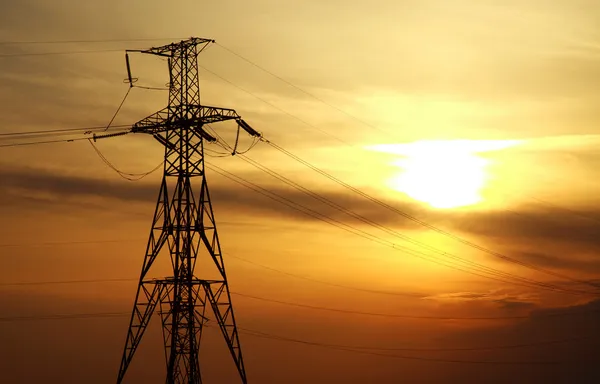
x: 186, y: 115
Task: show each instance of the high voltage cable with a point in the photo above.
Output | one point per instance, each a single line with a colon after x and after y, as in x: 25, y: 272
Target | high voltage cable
x: 391, y: 315
x: 319, y: 216
x: 349, y: 145
x: 59, y: 53
x: 351, y: 348
x: 36, y: 136
x: 63, y: 130
x: 336, y: 223
x: 307, y: 278
x: 274, y: 106
x: 289, y: 274
x: 6, y: 55
x: 60, y: 282
x: 42, y: 142
x: 456, y: 349
x: 126, y: 175
x: 302, y: 90
x: 353, y: 214
x: 52, y: 243
x: 88, y: 41
x: 314, y: 307
x: 365, y: 349
x: 423, y: 223
x: 445, y: 233
x: 303, y: 121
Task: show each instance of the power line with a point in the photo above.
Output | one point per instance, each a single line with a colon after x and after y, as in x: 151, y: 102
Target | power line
x: 88, y: 41
x: 497, y: 254
x: 286, y: 273
x: 126, y: 175
x: 302, y: 90
x: 391, y: 315
x: 455, y: 237
x: 315, y: 307
x: 41, y: 142
x: 59, y: 53
x: 62, y: 316
x: 459, y: 349
x: 276, y: 107
x: 319, y: 216
x: 367, y: 352
x: 350, y: 348
x: 353, y: 214
x: 53, y: 243
x: 60, y: 282
x: 6, y: 55
x: 36, y: 137
x: 423, y: 223
x: 307, y: 278
x: 63, y: 130
x: 576, y: 213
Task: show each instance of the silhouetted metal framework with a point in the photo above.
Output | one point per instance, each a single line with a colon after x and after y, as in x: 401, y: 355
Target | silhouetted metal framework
x: 184, y: 226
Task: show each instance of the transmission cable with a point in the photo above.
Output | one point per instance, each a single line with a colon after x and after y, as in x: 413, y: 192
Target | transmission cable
x: 39, y: 42
x: 423, y: 223
x: 41, y: 142
x: 356, y: 348
x: 353, y: 214
x: 63, y: 130
x: 275, y: 106
x: 320, y: 216
x: 307, y: 278
x: 126, y: 175
x: 455, y: 237
x: 304, y: 91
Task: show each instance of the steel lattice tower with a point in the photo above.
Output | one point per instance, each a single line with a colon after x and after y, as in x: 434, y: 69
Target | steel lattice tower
x: 183, y: 226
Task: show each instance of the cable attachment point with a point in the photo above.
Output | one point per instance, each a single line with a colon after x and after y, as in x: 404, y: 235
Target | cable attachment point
x: 95, y: 137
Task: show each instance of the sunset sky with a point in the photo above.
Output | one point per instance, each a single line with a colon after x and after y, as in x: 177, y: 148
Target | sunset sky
x: 478, y: 118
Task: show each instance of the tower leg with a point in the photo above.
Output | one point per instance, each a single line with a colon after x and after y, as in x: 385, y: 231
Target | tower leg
x: 217, y: 293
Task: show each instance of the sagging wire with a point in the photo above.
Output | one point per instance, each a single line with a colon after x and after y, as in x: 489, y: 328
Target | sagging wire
x: 125, y: 175
x: 223, y: 143
x: 255, y: 141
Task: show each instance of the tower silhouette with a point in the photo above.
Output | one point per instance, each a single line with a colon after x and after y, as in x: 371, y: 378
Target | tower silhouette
x: 183, y: 227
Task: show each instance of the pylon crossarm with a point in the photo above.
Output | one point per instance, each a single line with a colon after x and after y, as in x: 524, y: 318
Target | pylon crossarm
x: 172, y: 117
x: 169, y: 49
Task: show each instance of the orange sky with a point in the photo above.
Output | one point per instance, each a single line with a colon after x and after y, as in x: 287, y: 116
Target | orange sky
x: 478, y: 117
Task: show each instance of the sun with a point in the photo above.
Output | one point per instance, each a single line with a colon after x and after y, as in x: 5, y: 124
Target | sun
x: 442, y: 180
x: 443, y: 174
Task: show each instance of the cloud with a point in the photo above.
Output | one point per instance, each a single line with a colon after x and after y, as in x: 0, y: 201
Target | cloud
x: 501, y: 299
x: 549, y: 239
x: 56, y: 187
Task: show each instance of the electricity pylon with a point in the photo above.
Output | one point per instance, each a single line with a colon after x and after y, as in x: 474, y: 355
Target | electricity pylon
x: 184, y: 226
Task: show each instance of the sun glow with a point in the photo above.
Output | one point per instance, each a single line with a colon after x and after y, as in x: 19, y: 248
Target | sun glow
x: 443, y: 174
